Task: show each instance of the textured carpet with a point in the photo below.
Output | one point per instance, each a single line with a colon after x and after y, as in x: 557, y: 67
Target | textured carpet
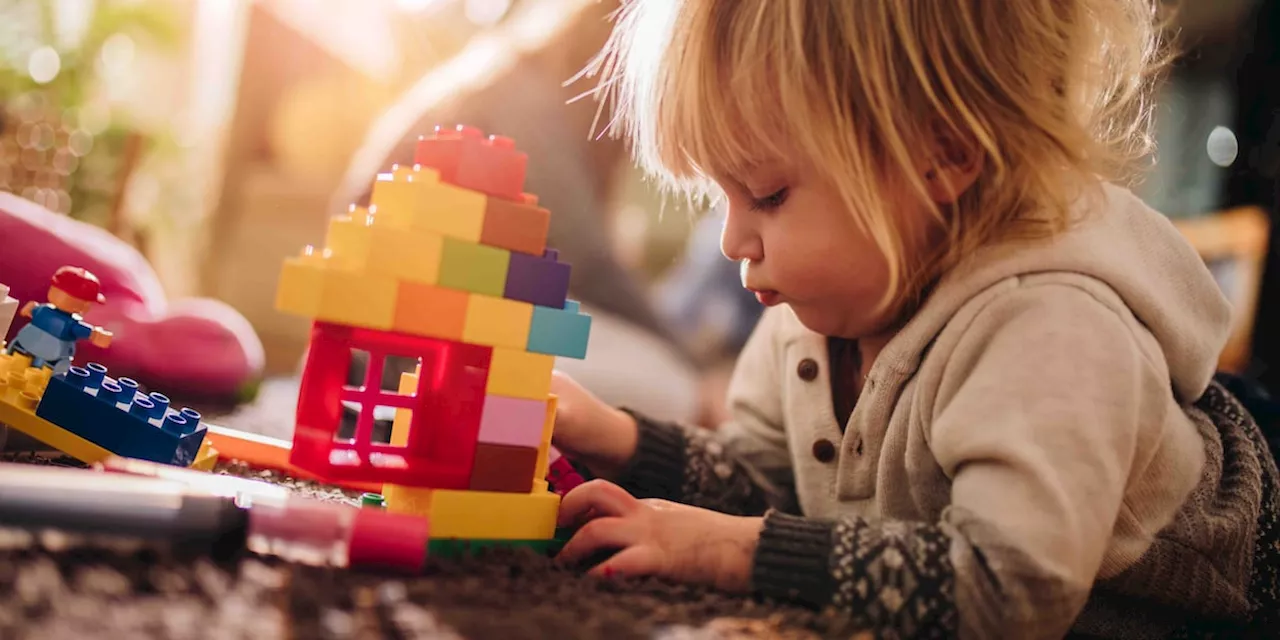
x: 64, y: 587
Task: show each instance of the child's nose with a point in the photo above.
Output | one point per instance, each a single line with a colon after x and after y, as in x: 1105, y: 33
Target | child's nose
x: 739, y: 240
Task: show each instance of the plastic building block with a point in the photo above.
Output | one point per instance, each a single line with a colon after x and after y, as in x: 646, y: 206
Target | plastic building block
x: 497, y: 322
x: 116, y: 416
x: 512, y: 421
x: 445, y: 409
x: 454, y: 547
x: 562, y: 475
x: 8, y: 310
x: 21, y: 387
x: 311, y: 285
x: 520, y: 374
x: 480, y: 515
x: 436, y: 312
x: 545, y: 450
x: 500, y: 467
x: 542, y: 280
x: 206, y: 457
x: 559, y: 332
x: 517, y: 226
x: 373, y: 500
x: 474, y: 267
x: 268, y: 453
x: 415, y: 198
x: 356, y: 243
x: 464, y: 157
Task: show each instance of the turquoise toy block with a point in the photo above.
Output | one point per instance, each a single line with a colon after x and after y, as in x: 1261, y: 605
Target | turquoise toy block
x: 559, y: 332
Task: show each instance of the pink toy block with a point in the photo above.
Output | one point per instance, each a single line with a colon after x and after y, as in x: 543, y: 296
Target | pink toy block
x: 465, y: 158
x: 512, y: 421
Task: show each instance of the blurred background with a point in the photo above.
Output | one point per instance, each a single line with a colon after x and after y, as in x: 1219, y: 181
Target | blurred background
x: 216, y: 137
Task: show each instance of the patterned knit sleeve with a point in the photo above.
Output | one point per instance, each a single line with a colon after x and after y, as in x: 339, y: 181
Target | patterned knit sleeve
x: 895, y: 579
x: 691, y: 465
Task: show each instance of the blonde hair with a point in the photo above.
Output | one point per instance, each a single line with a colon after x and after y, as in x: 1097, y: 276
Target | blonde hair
x: 1053, y: 93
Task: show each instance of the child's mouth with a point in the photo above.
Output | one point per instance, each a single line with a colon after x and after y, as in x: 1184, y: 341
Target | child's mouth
x: 766, y: 297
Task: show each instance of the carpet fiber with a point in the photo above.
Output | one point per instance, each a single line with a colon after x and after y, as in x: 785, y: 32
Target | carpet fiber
x: 63, y: 587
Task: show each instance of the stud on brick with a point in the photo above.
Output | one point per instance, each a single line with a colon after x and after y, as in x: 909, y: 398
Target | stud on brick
x: 464, y: 157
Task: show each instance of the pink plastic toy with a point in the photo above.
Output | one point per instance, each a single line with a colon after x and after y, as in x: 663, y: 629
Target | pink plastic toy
x: 193, y: 347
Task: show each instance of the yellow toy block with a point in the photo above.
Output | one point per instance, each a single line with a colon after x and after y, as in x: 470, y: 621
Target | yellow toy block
x: 544, y: 448
x: 415, y: 198
x: 467, y: 266
x: 364, y: 243
x: 21, y: 387
x: 400, y: 424
x: 516, y: 373
x: 497, y: 322
x: 301, y: 284
x: 483, y: 515
x: 206, y: 457
x: 311, y: 286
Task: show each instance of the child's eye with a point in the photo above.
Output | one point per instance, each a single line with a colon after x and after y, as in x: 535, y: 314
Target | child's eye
x: 771, y: 201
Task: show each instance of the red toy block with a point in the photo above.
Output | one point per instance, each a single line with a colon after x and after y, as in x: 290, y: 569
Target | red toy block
x: 518, y: 226
x: 446, y: 406
x: 465, y: 158
x: 505, y: 468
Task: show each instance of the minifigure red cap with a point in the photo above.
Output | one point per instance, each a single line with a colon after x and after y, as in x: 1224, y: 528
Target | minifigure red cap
x: 79, y: 283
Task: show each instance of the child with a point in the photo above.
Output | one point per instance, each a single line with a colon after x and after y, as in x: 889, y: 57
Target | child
x: 982, y: 401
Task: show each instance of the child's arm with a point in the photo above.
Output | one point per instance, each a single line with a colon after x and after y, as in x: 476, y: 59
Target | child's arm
x: 1049, y: 402
x: 745, y: 467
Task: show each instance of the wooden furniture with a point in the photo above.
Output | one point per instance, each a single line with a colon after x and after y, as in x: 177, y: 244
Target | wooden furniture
x: 1234, y: 245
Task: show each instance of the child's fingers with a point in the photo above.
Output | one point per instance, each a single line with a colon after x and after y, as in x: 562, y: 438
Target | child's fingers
x: 597, y: 498
x: 636, y: 561
x: 598, y: 535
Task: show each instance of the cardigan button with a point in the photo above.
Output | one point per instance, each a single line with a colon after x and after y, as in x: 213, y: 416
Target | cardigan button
x: 824, y: 450
x: 807, y: 369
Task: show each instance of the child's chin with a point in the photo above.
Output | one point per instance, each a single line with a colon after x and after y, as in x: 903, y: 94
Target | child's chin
x: 827, y: 324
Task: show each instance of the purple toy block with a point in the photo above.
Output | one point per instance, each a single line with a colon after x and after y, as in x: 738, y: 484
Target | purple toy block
x: 541, y: 281
x: 512, y: 421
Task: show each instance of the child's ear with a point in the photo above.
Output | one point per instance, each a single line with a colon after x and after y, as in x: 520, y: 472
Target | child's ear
x: 953, y: 167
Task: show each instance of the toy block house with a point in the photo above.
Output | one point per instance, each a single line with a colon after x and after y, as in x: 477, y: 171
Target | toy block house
x: 447, y: 265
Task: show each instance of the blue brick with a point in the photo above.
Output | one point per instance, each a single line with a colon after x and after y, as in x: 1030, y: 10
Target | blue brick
x: 114, y: 415
x: 559, y: 332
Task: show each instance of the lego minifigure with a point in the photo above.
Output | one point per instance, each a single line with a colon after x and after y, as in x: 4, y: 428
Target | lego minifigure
x: 57, y: 325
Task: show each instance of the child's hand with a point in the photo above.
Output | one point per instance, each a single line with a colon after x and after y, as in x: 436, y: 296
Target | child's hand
x: 590, y: 431
x: 658, y: 538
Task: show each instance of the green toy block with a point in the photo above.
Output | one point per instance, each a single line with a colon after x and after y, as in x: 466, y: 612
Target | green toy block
x: 467, y: 266
x: 455, y: 547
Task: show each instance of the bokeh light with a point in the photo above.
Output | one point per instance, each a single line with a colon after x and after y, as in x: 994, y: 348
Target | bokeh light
x: 1222, y: 146
x: 44, y: 65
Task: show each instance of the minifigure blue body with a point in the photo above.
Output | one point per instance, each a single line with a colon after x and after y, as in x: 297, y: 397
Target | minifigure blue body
x: 50, y: 338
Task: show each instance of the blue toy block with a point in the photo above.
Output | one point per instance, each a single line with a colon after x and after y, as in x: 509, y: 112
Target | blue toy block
x: 116, y: 416
x: 559, y: 332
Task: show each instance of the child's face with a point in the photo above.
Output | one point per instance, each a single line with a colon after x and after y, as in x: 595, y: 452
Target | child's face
x: 799, y: 245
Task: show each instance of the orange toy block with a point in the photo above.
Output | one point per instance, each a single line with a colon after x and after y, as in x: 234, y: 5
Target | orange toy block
x: 434, y: 312
x: 518, y: 226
